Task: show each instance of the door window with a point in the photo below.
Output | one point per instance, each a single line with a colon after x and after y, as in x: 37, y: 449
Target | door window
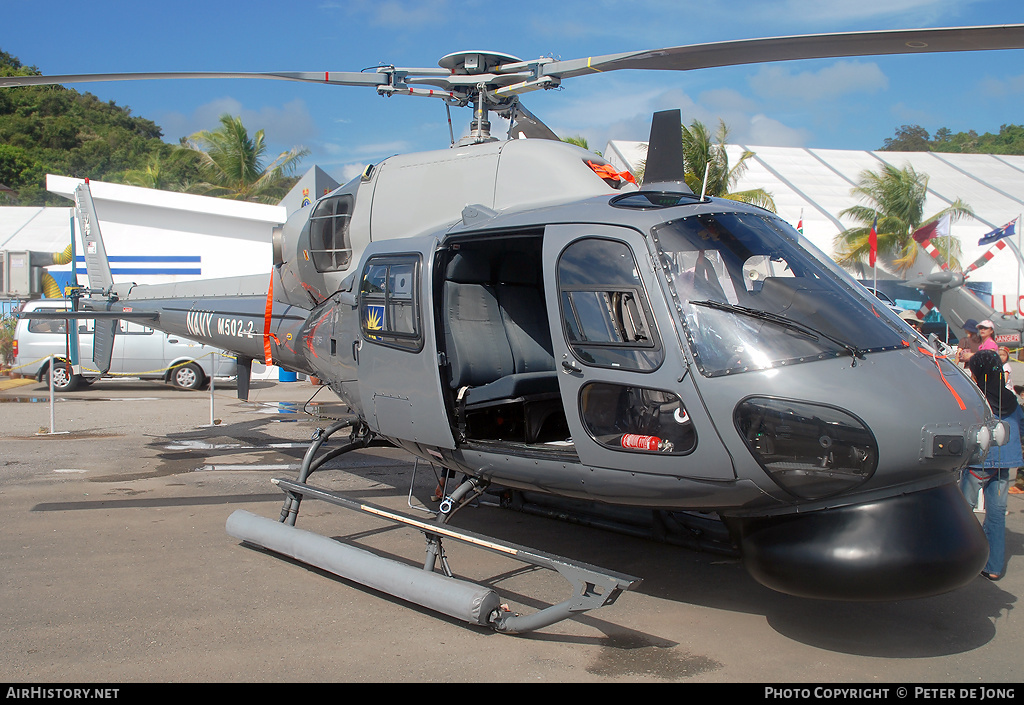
x: 132, y: 328
x: 636, y: 419
x: 47, y: 325
x: 388, y: 302
x: 606, y: 317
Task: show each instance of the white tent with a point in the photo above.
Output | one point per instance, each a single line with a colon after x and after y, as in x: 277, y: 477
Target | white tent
x: 815, y: 185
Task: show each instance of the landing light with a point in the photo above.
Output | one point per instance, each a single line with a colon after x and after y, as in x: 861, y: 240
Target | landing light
x: 809, y: 450
x: 984, y: 438
x: 1000, y: 433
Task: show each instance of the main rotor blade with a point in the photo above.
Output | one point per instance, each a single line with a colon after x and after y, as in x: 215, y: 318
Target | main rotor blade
x: 343, y: 78
x: 808, y: 46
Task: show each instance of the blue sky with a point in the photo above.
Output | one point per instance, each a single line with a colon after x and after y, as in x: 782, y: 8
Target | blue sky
x: 841, y: 104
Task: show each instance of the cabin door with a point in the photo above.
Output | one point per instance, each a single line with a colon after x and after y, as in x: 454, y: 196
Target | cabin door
x: 629, y: 397
x: 396, y: 352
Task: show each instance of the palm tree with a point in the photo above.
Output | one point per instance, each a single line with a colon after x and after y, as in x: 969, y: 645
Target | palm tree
x: 702, y: 154
x: 232, y: 163
x: 896, y: 197
x: 173, y: 170
x: 580, y: 141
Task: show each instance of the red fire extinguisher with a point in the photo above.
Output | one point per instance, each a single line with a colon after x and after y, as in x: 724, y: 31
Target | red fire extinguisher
x: 636, y: 441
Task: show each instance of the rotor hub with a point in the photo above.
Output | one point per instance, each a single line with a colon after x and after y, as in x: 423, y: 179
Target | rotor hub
x: 468, y: 63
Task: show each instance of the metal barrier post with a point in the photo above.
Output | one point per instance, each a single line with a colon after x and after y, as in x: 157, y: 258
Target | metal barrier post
x: 213, y: 370
x: 50, y: 378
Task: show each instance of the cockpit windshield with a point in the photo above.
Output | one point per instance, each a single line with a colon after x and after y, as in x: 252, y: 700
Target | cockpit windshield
x: 750, y: 298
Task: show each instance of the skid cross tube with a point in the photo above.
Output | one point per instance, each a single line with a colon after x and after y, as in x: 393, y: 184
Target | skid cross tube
x: 592, y: 587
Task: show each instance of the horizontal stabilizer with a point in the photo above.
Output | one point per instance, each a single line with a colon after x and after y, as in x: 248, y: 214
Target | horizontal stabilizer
x: 89, y: 315
x: 250, y: 285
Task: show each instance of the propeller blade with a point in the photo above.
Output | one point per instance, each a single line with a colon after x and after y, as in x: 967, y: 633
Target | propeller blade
x: 530, y: 125
x: 343, y: 78
x: 810, y: 46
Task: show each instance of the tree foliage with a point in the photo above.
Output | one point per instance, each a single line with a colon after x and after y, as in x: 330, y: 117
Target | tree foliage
x: 704, y: 154
x: 896, y: 198
x: 7, y: 325
x: 52, y: 129
x: 707, y: 155
x: 914, y: 138
x: 580, y: 141
x: 57, y: 130
x: 232, y: 164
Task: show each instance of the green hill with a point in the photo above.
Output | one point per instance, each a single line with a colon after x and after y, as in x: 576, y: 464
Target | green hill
x: 57, y: 130
x: 914, y: 138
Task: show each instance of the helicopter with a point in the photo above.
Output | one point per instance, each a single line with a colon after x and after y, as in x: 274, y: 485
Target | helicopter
x: 521, y: 315
x: 945, y: 290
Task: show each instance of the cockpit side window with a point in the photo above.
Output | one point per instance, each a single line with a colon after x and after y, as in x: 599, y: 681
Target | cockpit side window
x: 329, y: 233
x: 605, y: 314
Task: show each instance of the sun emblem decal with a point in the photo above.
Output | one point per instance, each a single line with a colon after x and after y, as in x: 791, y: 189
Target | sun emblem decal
x: 374, y: 319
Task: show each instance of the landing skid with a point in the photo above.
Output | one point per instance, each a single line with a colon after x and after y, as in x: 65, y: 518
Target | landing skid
x: 592, y: 587
x: 694, y: 531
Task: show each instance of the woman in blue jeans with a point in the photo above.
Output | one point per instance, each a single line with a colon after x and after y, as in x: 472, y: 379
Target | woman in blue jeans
x: 994, y: 473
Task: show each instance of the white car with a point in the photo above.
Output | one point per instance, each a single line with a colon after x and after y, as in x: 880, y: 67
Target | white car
x: 139, y: 351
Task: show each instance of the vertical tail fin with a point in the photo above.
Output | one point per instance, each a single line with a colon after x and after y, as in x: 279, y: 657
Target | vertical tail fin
x: 96, y: 264
x: 98, y: 269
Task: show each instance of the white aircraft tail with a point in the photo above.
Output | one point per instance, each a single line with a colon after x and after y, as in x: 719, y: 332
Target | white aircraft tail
x: 97, y: 266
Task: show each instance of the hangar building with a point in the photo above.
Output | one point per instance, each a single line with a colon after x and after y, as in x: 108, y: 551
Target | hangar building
x: 155, y: 237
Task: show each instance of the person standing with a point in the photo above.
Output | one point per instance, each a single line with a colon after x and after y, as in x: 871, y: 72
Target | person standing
x: 993, y: 475
x: 1004, y: 355
x: 987, y: 332
x: 912, y: 320
x: 969, y: 343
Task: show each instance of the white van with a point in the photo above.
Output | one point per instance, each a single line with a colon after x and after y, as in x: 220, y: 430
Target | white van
x: 139, y: 351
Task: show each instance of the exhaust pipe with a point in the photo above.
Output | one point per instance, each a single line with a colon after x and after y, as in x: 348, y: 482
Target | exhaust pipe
x: 456, y: 598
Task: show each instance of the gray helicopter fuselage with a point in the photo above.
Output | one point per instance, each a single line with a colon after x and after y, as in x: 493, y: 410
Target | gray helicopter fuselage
x: 523, y: 320
x: 401, y: 382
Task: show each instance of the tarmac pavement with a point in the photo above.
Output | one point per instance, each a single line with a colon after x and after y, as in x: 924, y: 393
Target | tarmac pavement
x: 116, y: 568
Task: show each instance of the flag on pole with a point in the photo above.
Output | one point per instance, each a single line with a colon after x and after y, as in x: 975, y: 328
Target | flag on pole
x: 925, y: 234
x: 934, y: 229
x: 873, y: 242
x: 800, y: 223
x: 998, y: 233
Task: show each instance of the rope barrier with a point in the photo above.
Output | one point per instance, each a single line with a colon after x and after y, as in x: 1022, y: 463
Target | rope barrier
x: 53, y: 358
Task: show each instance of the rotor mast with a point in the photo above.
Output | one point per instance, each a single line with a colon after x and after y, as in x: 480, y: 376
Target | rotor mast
x: 491, y: 82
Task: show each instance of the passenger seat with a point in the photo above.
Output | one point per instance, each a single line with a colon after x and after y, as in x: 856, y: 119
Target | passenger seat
x: 478, y: 332
x: 524, y: 315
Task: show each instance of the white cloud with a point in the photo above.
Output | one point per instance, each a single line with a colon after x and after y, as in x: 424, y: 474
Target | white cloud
x: 908, y: 115
x: 1002, y: 87
x: 778, y: 82
x: 764, y: 131
x: 924, y: 11
x: 395, y: 13
x: 369, y: 152
x: 350, y: 171
x: 289, y: 124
